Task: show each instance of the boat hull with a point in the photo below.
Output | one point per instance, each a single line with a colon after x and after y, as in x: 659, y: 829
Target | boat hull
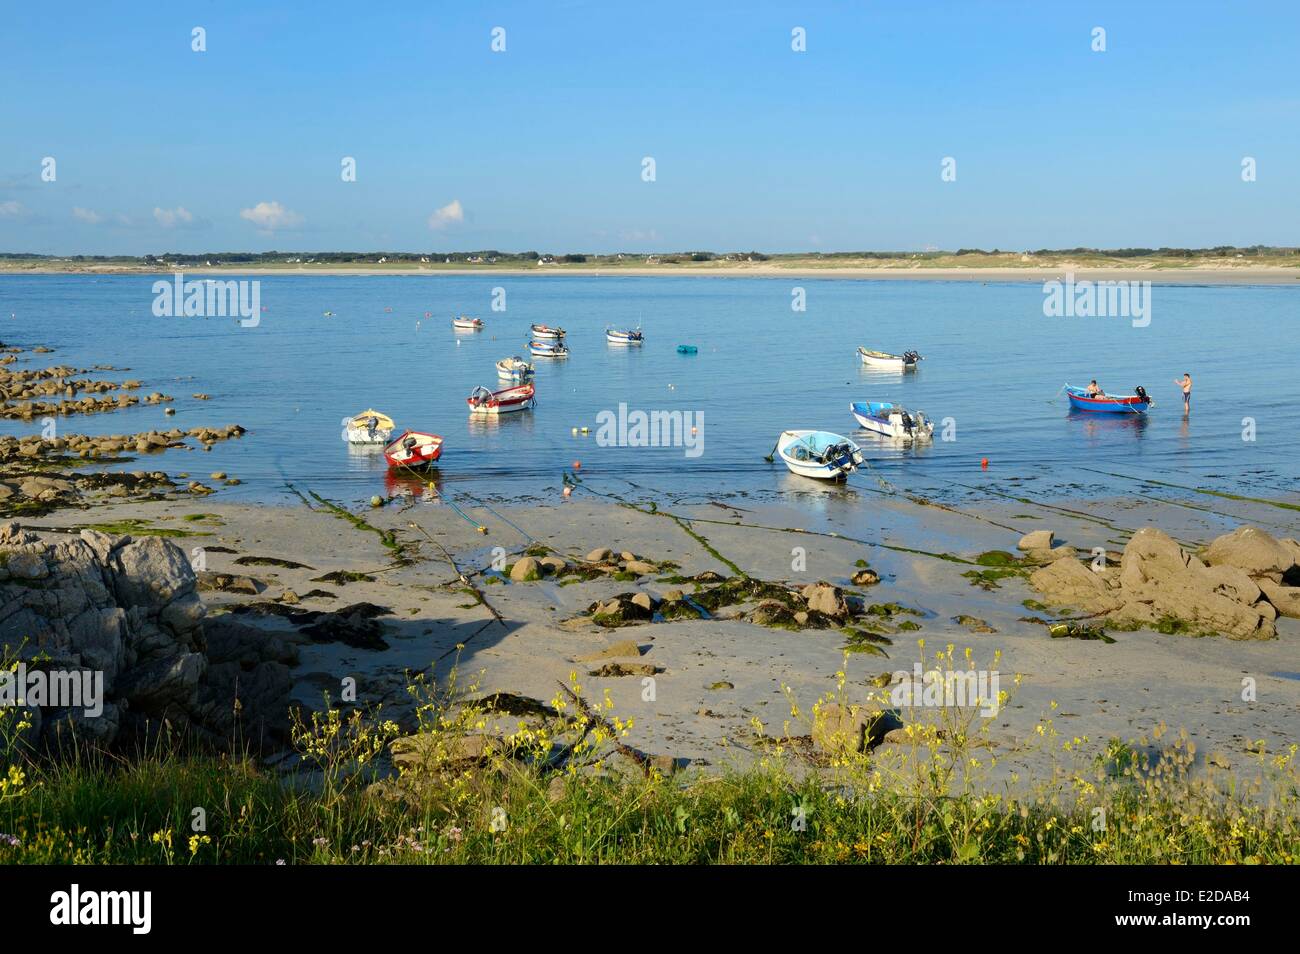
x: 805, y: 453
x: 467, y: 324
x: 892, y: 420
x: 548, y: 333
x: 542, y: 349
x: 1106, y: 404
x: 889, y: 362
x: 357, y: 429
x: 624, y: 337
x: 507, y: 401
x: 514, y: 369
x: 426, y: 449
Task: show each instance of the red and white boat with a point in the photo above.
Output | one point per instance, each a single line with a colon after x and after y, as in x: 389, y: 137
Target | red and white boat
x: 413, y: 449
x: 462, y: 323
x: 483, y: 401
x: 546, y: 331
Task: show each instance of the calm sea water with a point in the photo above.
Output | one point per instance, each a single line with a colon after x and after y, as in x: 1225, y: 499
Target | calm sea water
x: 994, y: 364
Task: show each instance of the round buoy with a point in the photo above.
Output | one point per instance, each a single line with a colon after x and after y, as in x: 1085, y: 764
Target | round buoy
x: 428, y: 314
x: 577, y: 465
x: 376, y: 501
x: 575, y: 432
x: 984, y: 464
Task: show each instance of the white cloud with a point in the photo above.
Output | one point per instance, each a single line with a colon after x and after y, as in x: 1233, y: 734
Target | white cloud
x: 11, y: 209
x: 269, y: 216
x: 89, y: 216
x: 450, y: 214
x: 171, y: 218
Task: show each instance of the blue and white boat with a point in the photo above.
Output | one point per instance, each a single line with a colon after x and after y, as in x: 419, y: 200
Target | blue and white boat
x: 893, y: 420
x: 548, y: 349
x: 624, y: 337
x: 818, y: 454
x: 514, y: 369
x: 1081, y: 400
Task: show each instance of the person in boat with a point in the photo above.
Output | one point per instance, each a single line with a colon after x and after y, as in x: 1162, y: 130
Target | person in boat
x: 1186, y: 384
x: 1093, y: 389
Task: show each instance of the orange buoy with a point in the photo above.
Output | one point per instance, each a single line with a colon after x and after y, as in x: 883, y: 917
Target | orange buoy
x: 984, y: 464
x: 577, y: 465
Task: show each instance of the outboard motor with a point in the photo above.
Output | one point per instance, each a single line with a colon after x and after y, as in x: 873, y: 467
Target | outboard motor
x: 1141, y: 393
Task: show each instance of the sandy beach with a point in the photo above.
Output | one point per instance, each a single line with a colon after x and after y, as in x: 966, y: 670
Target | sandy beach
x: 715, y: 676
x: 1169, y: 275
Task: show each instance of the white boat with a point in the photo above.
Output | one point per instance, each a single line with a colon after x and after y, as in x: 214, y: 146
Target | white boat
x: 546, y: 331
x: 462, y: 323
x: 483, y: 401
x: 893, y: 420
x: 818, y: 454
x: 624, y: 337
x: 514, y: 369
x: 893, y: 362
x: 548, y: 349
x: 368, y: 427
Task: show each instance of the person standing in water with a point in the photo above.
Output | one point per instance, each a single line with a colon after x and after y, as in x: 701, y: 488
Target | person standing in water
x: 1185, y: 382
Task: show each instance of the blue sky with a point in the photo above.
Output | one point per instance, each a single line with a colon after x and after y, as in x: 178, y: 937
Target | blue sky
x: 160, y: 148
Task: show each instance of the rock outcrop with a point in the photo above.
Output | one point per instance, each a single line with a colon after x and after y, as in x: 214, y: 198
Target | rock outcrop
x: 1238, y: 589
x: 127, y: 611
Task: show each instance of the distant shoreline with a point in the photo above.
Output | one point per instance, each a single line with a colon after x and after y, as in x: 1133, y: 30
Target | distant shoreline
x: 1172, y: 275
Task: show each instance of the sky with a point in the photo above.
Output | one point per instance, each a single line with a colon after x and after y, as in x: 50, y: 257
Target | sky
x: 542, y: 145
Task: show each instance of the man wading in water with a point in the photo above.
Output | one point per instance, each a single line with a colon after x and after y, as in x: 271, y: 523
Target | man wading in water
x: 1186, y: 384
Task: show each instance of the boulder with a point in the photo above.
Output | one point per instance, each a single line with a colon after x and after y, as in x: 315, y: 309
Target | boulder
x: 1069, y: 583
x: 526, y: 570
x: 600, y: 555
x: 128, y: 611
x: 865, y: 577
x: 826, y: 599
x: 1284, y: 599
x: 640, y: 567
x: 1253, y: 550
x: 1037, y: 540
x: 841, y: 730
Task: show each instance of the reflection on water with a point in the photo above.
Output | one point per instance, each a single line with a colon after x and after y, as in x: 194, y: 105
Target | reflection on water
x: 1097, y: 427
x: 425, y: 485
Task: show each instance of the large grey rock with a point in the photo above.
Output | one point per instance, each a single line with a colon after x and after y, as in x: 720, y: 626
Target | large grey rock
x: 129, y: 610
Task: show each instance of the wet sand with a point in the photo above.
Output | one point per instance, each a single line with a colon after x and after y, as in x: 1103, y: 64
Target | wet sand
x: 720, y: 674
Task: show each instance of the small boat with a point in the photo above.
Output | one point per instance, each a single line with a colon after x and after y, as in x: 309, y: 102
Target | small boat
x: 687, y: 349
x: 548, y: 349
x: 894, y: 362
x: 628, y: 337
x: 546, y: 331
x: 368, y: 427
x: 467, y: 324
x: 1109, y: 403
x: 514, y: 369
x: 484, y: 401
x: 413, y: 449
x: 819, y: 454
x: 893, y: 420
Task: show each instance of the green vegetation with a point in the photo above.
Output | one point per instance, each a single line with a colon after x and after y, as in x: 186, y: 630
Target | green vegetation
x: 465, y: 796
